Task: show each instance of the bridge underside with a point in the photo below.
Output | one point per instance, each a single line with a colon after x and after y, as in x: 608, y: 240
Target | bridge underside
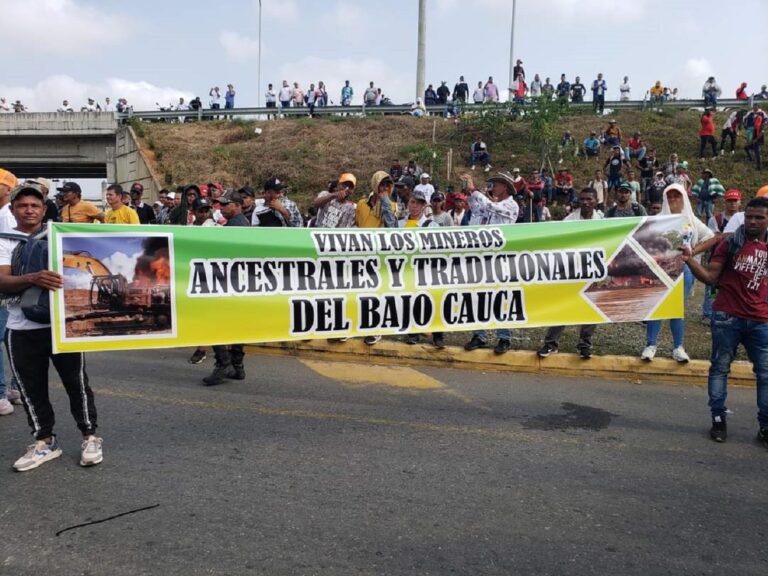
x: 57, y: 156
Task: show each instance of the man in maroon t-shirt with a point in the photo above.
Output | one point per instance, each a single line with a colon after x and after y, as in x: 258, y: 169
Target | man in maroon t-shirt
x: 739, y: 268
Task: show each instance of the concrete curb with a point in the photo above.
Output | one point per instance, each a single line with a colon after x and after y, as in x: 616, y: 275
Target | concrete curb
x: 608, y: 367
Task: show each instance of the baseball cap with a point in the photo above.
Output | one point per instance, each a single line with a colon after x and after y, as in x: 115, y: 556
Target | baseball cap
x: 707, y: 171
x: 27, y: 187
x: 137, y: 187
x: 625, y: 186
x: 419, y: 195
x: 437, y: 197
x: 230, y: 196
x: 8, y: 178
x: 247, y: 191
x: 43, y: 182
x: 200, y: 203
x: 70, y: 187
x: 171, y: 195
x: 275, y: 185
x: 733, y: 194
x: 348, y: 177
x: 406, y: 181
x: 460, y: 196
x: 425, y: 175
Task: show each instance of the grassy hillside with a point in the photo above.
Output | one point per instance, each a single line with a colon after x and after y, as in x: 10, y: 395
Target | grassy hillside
x: 307, y: 153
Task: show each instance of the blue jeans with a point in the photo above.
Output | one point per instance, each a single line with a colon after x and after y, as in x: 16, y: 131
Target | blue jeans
x: 727, y: 333
x: 639, y: 153
x: 706, y: 306
x: 676, y: 325
x: 501, y: 334
x: 482, y: 157
x: 706, y: 207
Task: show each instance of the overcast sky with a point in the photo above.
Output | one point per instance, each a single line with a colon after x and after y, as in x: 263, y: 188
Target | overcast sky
x: 149, y: 51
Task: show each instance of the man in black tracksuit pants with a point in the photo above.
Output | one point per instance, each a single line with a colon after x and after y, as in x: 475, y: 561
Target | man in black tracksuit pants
x: 29, y: 348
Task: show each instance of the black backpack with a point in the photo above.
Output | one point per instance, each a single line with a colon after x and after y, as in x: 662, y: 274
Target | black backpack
x: 31, y: 255
x: 635, y: 210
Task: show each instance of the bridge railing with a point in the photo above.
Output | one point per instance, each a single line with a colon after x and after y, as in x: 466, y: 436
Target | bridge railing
x: 402, y: 109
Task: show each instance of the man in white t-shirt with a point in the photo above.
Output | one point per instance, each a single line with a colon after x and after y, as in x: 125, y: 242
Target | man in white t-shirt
x: 424, y: 186
x: 29, y: 348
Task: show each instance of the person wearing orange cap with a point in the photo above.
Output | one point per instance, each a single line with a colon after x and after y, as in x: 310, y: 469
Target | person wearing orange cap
x: 334, y: 208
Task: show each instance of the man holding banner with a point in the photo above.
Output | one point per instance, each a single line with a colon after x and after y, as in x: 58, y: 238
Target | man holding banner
x: 29, y: 343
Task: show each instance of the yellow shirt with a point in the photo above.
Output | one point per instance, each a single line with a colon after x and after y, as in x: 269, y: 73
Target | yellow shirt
x: 365, y: 218
x: 123, y: 215
x: 82, y: 212
x: 411, y: 223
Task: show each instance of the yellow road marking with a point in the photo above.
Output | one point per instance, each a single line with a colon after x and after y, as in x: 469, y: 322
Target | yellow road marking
x: 353, y: 373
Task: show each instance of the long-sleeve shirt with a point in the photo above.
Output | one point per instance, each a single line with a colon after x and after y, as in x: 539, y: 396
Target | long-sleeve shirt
x: 486, y: 211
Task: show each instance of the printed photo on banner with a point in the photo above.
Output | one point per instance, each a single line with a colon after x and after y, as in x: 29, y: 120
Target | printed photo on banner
x: 117, y: 286
x: 642, y: 273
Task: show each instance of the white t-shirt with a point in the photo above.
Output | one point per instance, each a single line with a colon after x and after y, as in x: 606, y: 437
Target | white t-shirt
x: 734, y: 223
x: 16, y: 318
x: 7, y: 221
x: 427, y: 189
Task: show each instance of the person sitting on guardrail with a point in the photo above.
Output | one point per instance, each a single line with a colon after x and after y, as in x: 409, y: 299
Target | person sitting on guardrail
x: 577, y: 91
x: 657, y: 93
x: 91, y: 106
x: 418, y: 109
x: 710, y: 92
x: 479, y: 153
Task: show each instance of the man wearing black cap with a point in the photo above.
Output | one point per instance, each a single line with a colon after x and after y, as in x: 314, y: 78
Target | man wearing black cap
x: 202, y: 210
x: 145, y: 211
x: 75, y: 209
x: 249, y: 201
x: 29, y: 346
x: 269, y: 211
x: 229, y: 359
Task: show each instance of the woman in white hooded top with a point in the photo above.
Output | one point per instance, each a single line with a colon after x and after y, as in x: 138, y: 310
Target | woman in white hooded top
x: 701, y: 239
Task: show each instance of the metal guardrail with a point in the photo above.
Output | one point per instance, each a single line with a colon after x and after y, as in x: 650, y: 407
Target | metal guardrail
x: 263, y: 113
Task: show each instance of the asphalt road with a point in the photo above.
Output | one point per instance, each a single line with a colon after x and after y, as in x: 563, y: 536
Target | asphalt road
x: 326, y: 468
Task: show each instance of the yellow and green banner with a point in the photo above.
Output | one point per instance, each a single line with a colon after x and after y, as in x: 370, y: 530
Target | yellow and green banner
x: 129, y: 287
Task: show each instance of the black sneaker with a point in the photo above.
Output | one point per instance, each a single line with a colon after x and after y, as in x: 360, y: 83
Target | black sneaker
x: 546, y: 350
x: 438, y: 340
x: 239, y: 372
x: 585, y: 353
x: 474, y: 344
x: 762, y: 437
x: 412, y: 339
x: 502, y: 346
x: 220, y: 373
x: 719, y: 430
x: 197, y: 356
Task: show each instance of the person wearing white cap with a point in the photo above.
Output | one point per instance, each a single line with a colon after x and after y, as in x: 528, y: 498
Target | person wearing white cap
x: 424, y: 186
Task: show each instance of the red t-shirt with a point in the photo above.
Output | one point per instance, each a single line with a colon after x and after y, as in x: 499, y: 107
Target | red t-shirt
x: 743, y: 286
x: 707, y: 125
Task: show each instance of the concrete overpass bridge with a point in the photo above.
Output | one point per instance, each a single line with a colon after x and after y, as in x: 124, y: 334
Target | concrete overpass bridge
x: 72, y: 146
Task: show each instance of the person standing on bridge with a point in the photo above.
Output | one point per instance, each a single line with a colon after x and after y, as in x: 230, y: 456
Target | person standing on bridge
x: 29, y: 348
x: 229, y: 97
x: 739, y: 269
x: 75, y: 209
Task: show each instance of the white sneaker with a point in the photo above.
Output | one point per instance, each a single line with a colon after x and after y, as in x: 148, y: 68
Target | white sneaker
x: 5, y: 407
x: 680, y: 355
x: 13, y: 395
x: 37, y: 453
x: 371, y: 340
x: 648, y: 353
x: 472, y: 167
x: 487, y: 168
x: 90, y: 451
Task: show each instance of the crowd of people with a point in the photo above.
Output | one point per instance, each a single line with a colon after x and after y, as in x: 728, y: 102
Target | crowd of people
x: 317, y: 95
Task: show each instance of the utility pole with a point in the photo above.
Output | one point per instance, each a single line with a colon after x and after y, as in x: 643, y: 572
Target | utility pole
x: 422, y: 49
x: 512, y: 50
x: 258, y: 72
